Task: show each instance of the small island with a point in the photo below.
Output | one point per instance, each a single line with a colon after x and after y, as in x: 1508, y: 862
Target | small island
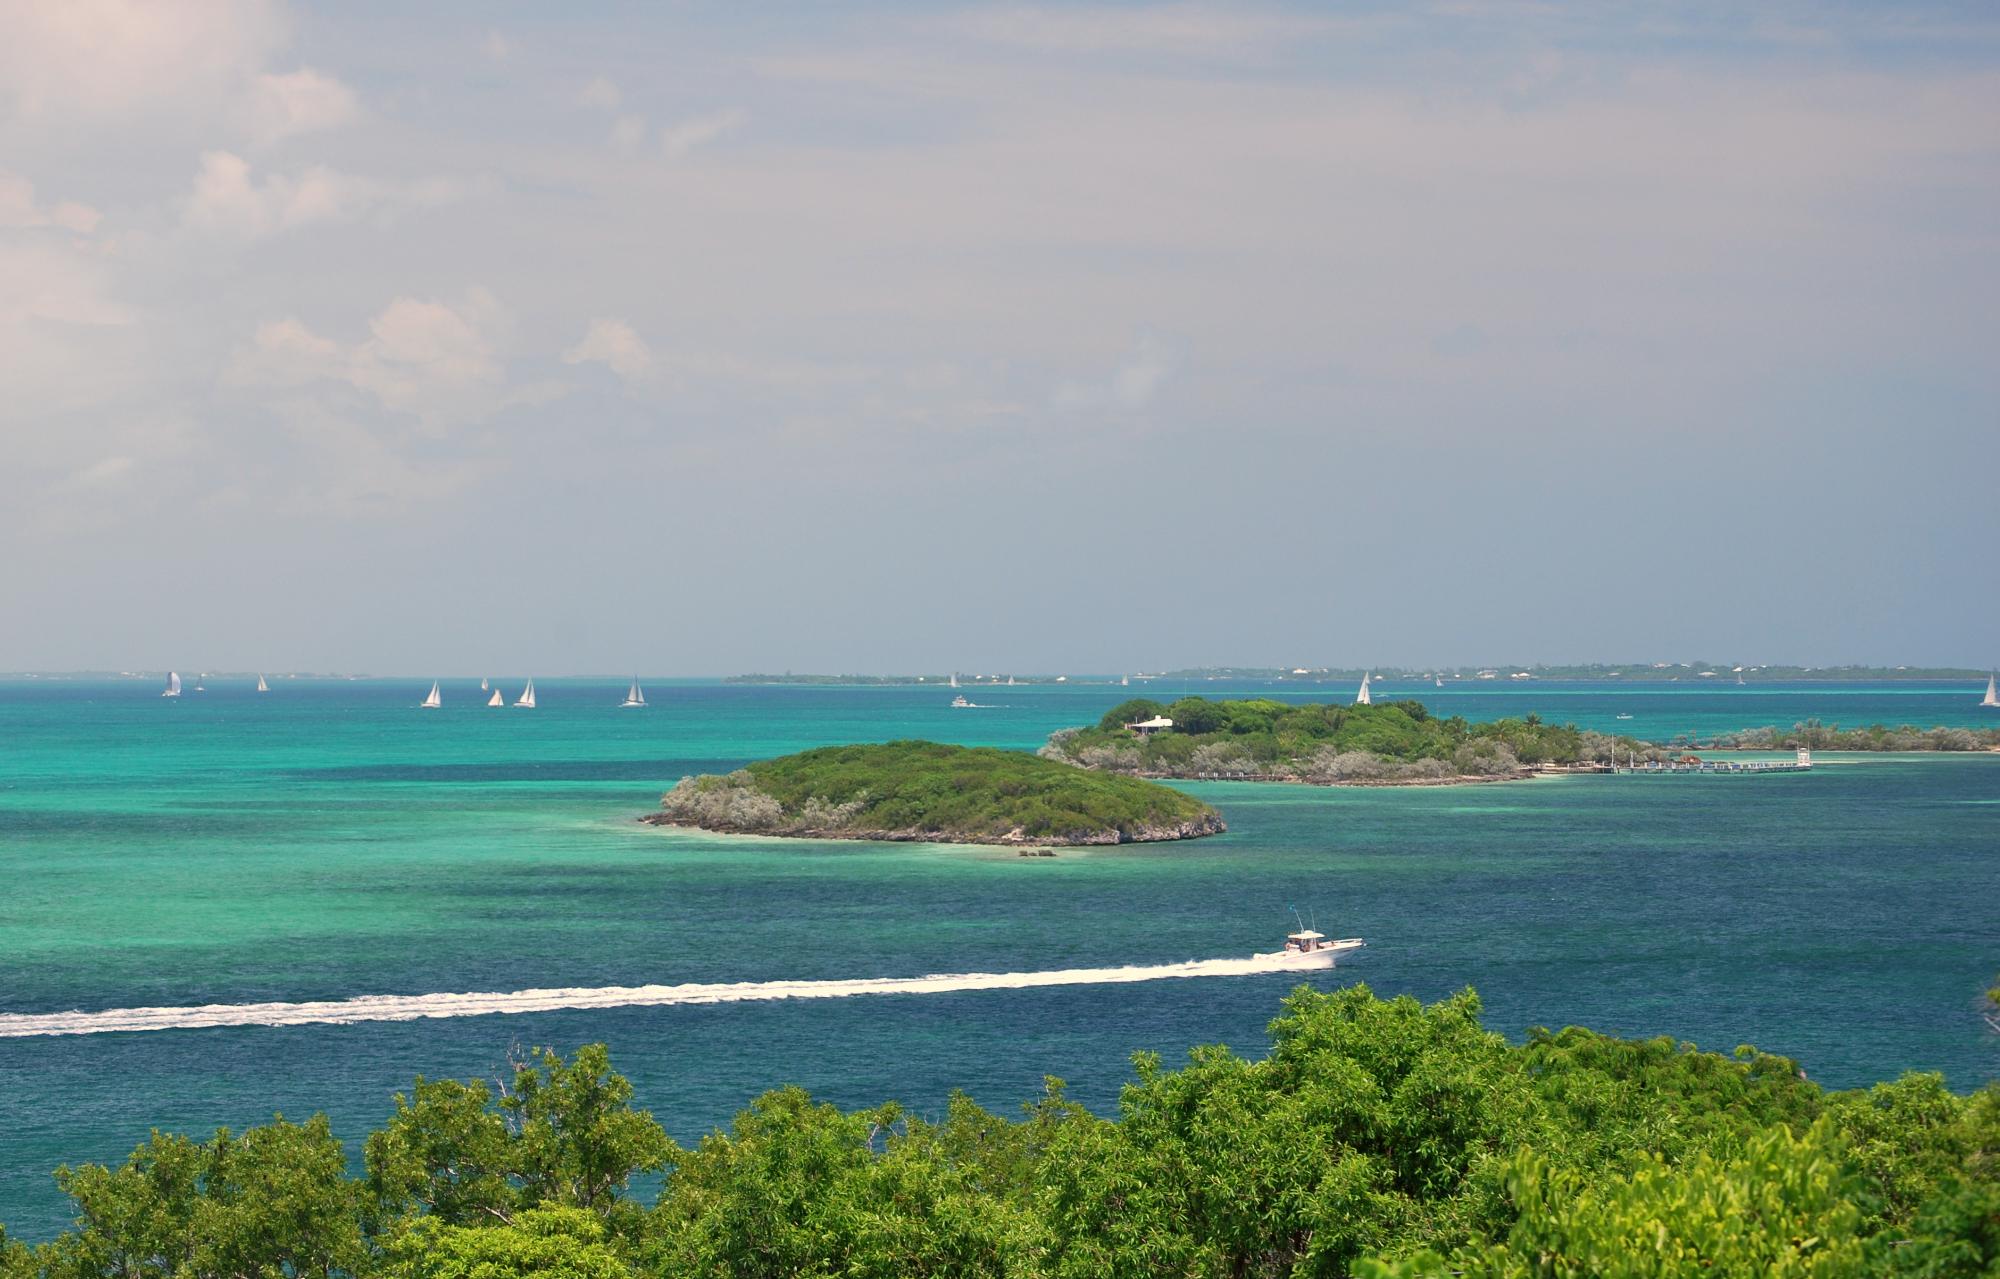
x: 1388, y: 743
x: 933, y: 793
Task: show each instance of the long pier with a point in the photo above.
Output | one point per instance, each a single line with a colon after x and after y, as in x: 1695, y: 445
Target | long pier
x: 1691, y: 765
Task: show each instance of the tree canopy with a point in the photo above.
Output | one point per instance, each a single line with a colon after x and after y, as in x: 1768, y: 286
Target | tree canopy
x: 1382, y: 1138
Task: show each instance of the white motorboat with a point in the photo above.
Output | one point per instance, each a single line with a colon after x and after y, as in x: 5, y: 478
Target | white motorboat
x: 1309, y: 949
x: 960, y: 701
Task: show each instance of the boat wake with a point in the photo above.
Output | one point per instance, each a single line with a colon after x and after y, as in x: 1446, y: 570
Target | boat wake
x: 480, y: 1004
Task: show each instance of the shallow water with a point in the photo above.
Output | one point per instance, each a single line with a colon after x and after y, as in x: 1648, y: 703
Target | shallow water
x: 327, y: 841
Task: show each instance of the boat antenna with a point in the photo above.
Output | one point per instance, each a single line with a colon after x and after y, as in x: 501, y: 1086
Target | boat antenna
x: 1295, y: 915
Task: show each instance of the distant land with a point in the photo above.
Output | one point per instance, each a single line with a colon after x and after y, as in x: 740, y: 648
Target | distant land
x: 929, y: 792
x: 1402, y: 743
x: 1633, y: 672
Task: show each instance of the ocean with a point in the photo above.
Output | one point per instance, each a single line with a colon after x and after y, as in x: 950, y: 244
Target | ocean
x: 328, y: 841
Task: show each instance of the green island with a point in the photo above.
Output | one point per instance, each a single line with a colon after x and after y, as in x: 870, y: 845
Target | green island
x: 1397, y: 742
x: 934, y: 793
x: 1378, y: 1138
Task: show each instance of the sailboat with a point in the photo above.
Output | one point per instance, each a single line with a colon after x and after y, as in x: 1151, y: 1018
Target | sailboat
x: 954, y: 679
x: 496, y: 699
x: 173, y: 684
x: 197, y: 685
x: 1440, y: 681
x: 527, y: 697
x: 1010, y: 681
x: 634, y: 696
x: 1992, y: 697
x: 432, y: 702
x: 483, y: 684
x: 262, y: 687
x: 1124, y: 681
x: 1739, y: 679
x: 1362, y: 698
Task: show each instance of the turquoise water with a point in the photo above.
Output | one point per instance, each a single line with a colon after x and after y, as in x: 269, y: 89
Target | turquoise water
x: 328, y: 840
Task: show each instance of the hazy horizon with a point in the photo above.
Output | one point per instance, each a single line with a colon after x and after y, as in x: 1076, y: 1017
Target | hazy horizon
x: 886, y: 337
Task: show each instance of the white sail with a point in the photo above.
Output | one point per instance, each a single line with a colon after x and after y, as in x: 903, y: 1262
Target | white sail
x: 496, y: 699
x: 434, y: 701
x: 197, y: 684
x: 262, y: 687
x: 173, y: 684
x: 527, y: 697
x: 634, y: 696
x: 483, y: 684
x: 1362, y: 698
x: 1440, y: 681
x: 1124, y: 681
x: 1992, y: 697
x: 1010, y: 681
x: 954, y: 679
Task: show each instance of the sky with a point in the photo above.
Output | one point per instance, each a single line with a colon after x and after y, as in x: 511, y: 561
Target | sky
x: 710, y: 338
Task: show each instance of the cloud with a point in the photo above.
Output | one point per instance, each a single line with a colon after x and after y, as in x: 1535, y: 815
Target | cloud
x: 677, y: 140
x: 228, y: 197
x: 106, y: 61
x: 613, y: 344
x: 19, y: 212
x: 600, y: 93
x: 627, y: 132
x: 1132, y: 384
x: 1203, y: 30
x: 298, y: 102
x: 436, y: 361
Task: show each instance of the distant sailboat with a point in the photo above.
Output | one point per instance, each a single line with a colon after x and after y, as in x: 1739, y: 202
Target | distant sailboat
x: 1362, y: 698
x: 432, y: 702
x: 1739, y: 679
x: 1992, y: 697
x: 1010, y: 681
x: 496, y: 699
x: 954, y: 679
x: 483, y: 684
x: 262, y: 687
x: 1124, y: 680
x: 1440, y: 681
x: 527, y: 697
x: 635, y: 696
x: 197, y: 685
x: 173, y: 684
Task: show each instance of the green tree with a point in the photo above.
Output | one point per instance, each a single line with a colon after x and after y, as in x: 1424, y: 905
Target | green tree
x: 273, y: 1203
x: 542, y: 1243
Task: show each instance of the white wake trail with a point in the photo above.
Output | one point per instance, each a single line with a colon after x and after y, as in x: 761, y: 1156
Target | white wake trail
x: 480, y: 1004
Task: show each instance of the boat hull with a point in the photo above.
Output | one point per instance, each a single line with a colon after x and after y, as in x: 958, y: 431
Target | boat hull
x: 1323, y: 957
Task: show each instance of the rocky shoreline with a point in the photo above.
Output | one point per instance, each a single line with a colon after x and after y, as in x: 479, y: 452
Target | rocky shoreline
x: 1210, y: 823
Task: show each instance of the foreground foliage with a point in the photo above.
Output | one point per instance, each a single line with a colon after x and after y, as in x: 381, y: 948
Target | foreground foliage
x: 913, y: 789
x: 1377, y: 1138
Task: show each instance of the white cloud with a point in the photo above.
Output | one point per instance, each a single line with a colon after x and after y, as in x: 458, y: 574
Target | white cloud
x: 436, y: 361
x: 104, y: 61
x: 1131, y: 385
x: 614, y: 344
x: 1204, y: 30
x: 298, y: 102
x: 677, y: 140
x: 19, y: 212
x: 228, y: 197
x: 1140, y: 375
x: 600, y: 93
x: 627, y: 132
